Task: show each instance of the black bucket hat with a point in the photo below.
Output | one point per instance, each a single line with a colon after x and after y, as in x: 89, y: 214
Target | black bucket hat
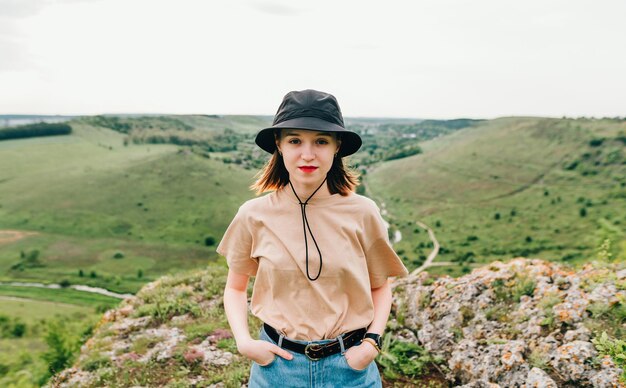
x: 310, y: 110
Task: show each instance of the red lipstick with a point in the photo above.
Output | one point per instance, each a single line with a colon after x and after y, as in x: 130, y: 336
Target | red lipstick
x: 307, y: 168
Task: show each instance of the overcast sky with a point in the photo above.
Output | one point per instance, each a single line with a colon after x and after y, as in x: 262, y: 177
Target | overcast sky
x: 421, y: 59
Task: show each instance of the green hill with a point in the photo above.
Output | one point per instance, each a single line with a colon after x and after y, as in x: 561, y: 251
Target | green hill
x: 87, y: 197
x: 94, y: 208
x: 530, y: 187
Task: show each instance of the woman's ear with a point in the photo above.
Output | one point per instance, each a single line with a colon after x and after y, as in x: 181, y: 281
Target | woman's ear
x: 277, y: 141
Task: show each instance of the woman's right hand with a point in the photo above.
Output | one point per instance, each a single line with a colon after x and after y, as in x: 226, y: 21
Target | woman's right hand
x: 262, y: 352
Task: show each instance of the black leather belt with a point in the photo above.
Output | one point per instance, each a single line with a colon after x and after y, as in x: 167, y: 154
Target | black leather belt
x: 316, y: 351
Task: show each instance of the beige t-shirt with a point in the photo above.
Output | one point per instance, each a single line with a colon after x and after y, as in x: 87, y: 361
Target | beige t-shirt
x: 266, y: 240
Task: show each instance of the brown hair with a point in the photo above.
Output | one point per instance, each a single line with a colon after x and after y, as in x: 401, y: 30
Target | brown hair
x: 341, y: 179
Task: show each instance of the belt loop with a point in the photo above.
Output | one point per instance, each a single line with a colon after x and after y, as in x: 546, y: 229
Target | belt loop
x: 280, y: 340
x: 343, y: 348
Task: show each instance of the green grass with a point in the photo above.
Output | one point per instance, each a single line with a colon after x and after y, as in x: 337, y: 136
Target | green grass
x: 513, y: 167
x: 87, y: 196
x: 31, y: 311
x: 64, y: 296
x: 21, y: 360
x: 127, y: 192
x: 64, y: 256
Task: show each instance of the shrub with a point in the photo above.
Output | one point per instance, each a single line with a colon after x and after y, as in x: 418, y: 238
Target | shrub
x: 59, y: 350
x: 118, y: 255
x: 523, y: 286
x: 596, y: 142
x: 4, y: 369
x: 95, y: 362
x: 19, y: 328
x: 209, y: 241
x: 537, y: 359
x: 400, y: 358
x: 615, y: 348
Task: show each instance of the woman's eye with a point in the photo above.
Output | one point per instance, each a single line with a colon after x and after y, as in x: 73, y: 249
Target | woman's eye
x: 297, y: 141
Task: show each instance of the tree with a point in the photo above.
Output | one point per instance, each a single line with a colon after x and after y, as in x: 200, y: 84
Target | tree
x: 59, y: 351
x: 209, y: 241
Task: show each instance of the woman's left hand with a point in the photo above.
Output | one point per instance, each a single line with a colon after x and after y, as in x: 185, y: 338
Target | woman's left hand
x: 359, y: 357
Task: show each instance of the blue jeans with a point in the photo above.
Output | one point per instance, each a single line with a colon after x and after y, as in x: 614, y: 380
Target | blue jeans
x: 328, y: 372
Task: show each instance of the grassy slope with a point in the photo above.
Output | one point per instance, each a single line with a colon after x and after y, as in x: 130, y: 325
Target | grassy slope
x: 246, y: 124
x: 81, y: 194
x: 463, y: 179
x: 20, y: 357
x: 88, y: 201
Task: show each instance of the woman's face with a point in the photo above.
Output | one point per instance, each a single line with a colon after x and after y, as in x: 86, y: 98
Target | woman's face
x: 308, y: 155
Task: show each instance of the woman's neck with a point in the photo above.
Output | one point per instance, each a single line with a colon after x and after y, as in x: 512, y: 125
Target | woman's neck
x: 305, y: 191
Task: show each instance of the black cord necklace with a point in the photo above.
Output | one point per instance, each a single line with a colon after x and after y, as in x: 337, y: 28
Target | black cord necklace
x: 305, y: 226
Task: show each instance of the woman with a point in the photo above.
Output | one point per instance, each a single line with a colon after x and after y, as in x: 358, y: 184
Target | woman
x: 319, y: 252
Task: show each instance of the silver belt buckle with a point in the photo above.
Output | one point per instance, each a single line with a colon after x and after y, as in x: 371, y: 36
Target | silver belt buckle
x: 312, y: 347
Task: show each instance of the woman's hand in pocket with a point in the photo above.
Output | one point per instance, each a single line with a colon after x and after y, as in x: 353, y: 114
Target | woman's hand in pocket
x: 262, y: 352
x: 359, y: 357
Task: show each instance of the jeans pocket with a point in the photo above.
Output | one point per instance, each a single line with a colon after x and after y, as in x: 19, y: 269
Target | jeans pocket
x: 345, y: 361
x: 270, y: 363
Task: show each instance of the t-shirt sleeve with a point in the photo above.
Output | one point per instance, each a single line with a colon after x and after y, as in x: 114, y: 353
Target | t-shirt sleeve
x: 236, y: 246
x: 382, y: 260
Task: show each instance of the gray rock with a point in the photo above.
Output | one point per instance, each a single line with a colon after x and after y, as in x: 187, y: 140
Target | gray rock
x: 537, y: 378
x: 483, y: 351
x: 573, y: 360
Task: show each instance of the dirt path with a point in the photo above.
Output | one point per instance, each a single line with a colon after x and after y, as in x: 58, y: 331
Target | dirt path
x: 9, y: 236
x: 429, y: 261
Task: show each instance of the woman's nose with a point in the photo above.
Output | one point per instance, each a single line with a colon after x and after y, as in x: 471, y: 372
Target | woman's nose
x: 307, y: 152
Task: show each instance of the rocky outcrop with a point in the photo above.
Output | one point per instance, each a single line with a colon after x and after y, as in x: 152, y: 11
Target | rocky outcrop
x: 146, y: 341
x: 524, y: 323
